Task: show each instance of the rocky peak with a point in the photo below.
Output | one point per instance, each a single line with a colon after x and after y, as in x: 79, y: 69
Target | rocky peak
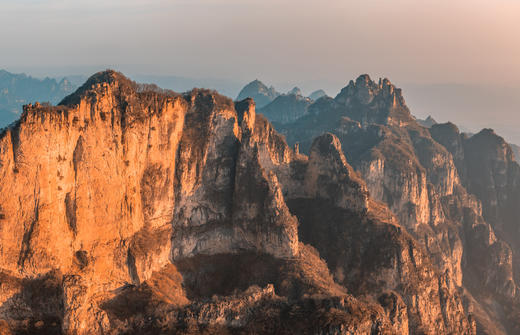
x: 371, y: 102
x: 295, y: 91
x: 259, y: 92
x: 364, y: 90
x: 317, y: 94
x: 428, y: 122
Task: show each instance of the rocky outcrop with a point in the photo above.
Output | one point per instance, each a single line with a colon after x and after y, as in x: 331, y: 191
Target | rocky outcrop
x: 131, y: 209
x: 439, y: 195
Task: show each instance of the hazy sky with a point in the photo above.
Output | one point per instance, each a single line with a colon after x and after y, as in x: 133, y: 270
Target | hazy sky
x: 326, y: 42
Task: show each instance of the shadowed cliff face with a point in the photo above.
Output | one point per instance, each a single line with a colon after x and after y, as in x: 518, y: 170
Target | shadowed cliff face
x: 450, y: 192
x: 130, y: 209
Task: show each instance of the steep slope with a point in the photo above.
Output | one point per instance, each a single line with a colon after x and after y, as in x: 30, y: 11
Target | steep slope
x: 130, y: 209
x: 423, y: 183
x: 19, y: 89
x: 261, y: 94
x: 490, y: 172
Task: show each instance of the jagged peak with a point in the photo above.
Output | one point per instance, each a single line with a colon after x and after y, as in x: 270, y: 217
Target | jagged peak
x: 373, y: 102
x: 364, y: 84
x: 256, y: 84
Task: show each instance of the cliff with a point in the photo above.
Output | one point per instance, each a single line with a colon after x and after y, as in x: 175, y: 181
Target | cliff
x: 131, y: 209
x: 453, y: 194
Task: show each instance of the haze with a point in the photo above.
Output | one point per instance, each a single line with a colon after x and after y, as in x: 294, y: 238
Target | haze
x: 427, y: 47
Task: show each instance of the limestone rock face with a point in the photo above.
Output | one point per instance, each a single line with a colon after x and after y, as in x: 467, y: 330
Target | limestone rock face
x: 130, y: 209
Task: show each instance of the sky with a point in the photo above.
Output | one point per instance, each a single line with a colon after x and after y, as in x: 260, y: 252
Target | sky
x: 427, y: 44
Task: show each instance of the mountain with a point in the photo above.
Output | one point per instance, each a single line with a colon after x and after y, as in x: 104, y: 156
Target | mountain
x: 132, y: 209
x: 286, y: 108
x: 457, y: 195
x: 295, y: 91
x: 129, y: 209
x: 261, y: 94
x: 317, y: 94
x: 428, y: 122
x: 19, y: 89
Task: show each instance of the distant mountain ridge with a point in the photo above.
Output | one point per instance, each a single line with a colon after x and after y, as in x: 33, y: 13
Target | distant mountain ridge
x: 276, y: 106
x: 259, y: 92
x: 317, y: 94
x: 428, y: 122
x: 17, y: 90
x: 286, y: 108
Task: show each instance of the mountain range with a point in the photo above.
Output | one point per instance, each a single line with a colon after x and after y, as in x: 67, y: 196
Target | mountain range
x: 131, y: 209
x: 17, y: 90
